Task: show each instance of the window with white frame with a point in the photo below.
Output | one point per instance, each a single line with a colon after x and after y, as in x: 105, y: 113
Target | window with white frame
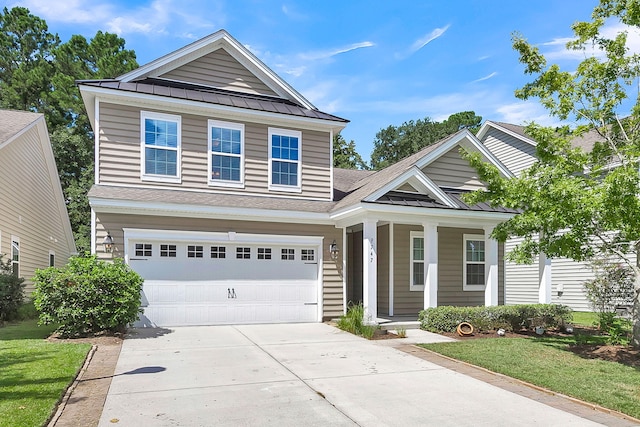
x: 195, y: 251
x: 218, y: 252
x: 161, y: 141
x: 15, y: 256
x: 243, y: 253
x: 52, y: 259
x: 307, y: 254
x: 226, y: 153
x: 168, y: 251
x: 288, y: 254
x: 143, y: 249
x: 285, y: 149
x: 416, y: 268
x: 264, y: 253
x: 473, y: 274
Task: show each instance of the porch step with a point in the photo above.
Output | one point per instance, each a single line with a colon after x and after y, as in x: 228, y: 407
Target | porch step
x: 408, y: 324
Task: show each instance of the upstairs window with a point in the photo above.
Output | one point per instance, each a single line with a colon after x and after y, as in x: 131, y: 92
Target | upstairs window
x: 226, y: 154
x: 15, y: 256
x: 284, y: 160
x: 474, y: 262
x: 160, y: 147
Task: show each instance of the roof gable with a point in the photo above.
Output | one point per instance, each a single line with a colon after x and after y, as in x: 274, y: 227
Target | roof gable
x: 514, y: 130
x: 207, y: 45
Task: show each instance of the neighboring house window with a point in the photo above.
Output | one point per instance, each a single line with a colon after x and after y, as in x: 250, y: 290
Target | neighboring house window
x: 226, y: 154
x: 218, y: 252
x: 416, y: 269
x: 288, y: 254
x: 52, y: 259
x: 195, y: 251
x: 15, y: 256
x: 308, y: 255
x: 284, y: 160
x: 243, y: 253
x: 169, y: 251
x: 473, y: 263
x: 264, y: 253
x: 143, y: 249
x: 161, y: 142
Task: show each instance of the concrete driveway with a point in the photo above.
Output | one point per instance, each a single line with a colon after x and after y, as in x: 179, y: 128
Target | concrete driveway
x: 300, y: 375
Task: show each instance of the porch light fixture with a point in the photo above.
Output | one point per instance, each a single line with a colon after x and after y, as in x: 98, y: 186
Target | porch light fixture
x: 333, y: 250
x: 108, y: 243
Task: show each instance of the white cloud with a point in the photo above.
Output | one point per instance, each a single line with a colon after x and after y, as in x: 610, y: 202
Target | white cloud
x: 423, y: 41
x: 293, y: 14
x: 524, y: 112
x: 69, y: 11
x: 324, y: 54
x: 487, y: 77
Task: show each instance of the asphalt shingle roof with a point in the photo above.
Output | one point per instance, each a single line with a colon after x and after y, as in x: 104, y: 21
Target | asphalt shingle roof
x: 12, y: 122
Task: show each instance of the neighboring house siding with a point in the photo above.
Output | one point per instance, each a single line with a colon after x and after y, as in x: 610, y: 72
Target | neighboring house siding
x: 29, y: 209
x: 451, y: 170
x: 383, y: 269
x: 450, y: 256
x: 571, y: 275
x: 522, y: 280
x: 219, y: 69
x: 332, y: 279
x: 119, y: 154
x: 514, y: 153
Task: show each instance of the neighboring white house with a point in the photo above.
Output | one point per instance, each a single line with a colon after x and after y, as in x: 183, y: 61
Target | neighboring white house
x: 558, y: 281
x: 34, y: 225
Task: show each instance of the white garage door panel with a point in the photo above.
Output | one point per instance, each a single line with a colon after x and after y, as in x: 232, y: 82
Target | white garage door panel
x: 183, y: 290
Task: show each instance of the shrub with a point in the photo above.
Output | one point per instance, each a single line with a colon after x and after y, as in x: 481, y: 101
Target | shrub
x: 353, y: 322
x: 508, y: 317
x: 11, y: 292
x: 88, y: 296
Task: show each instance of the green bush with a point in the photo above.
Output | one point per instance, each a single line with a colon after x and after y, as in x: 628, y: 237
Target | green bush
x: 11, y: 292
x: 508, y: 317
x: 88, y: 296
x: 353, y: 322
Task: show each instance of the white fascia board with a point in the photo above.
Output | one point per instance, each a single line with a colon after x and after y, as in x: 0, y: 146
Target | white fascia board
x: 485, y: 128
x: 411, y: 214
x: 197, y: 211
x: 428, y: 186
x: 469, y: 141
x: 178, y: 106
x: 208, y: 236
x: 219, y: 39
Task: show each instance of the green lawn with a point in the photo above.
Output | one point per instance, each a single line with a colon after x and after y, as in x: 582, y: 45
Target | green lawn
x: 34, y: 373
x: 585, y: 318
x: 547, y: 362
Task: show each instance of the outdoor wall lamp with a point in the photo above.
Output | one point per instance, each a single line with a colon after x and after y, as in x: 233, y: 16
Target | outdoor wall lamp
x: 108, y: 243
x: 333, y: 250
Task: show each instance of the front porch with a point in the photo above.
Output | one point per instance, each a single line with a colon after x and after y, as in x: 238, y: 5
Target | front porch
x: 396, y: 269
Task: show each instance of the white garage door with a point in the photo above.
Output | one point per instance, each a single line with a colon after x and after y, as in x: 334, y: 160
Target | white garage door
x: 215, y: 278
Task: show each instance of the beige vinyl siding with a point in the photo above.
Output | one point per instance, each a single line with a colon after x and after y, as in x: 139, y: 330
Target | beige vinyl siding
x: 219, y: 69
x: 332, y: 275
x: 383, y: 269
x: 514, y: 153
x: 119, y: 154
x: 451, y: 170
x: 521, y: 280
x: 29, y: 209
x: 407, y: 187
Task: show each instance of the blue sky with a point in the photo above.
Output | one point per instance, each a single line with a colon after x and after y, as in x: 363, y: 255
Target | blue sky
x: 375, y: 63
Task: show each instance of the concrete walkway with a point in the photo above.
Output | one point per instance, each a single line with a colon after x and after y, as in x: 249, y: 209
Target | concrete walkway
x: 301, y: 375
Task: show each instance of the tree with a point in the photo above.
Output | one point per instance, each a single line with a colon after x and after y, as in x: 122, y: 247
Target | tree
x: 38, y: 73
x: 393, y: 143
x: 345, y: 155
x: 576, y: 204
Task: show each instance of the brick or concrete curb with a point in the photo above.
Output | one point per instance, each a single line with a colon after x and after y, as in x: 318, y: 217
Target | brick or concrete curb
x: 74, y: 384
x: 566, y: 403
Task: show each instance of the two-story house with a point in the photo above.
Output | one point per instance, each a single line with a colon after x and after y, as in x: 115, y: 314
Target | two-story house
x: 215, y: 181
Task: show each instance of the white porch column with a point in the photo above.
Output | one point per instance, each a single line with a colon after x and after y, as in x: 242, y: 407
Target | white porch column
x: 544, y: 274
x: 491, y: 265
x: 369, y: 270
x: 430, y: 265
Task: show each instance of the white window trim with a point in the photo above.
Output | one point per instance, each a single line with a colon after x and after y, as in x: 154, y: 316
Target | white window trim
x: 51, y: 252
x: 15, y: 239
x: 466, y: 287
x: 227, y: 125
x: 412, y: 235
x: 161, y: 178
x: 279, y: 187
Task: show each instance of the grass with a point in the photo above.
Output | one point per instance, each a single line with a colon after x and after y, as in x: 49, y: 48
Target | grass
x: 35, y: 373
x: 585, y: 318
x: 547, y: 362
